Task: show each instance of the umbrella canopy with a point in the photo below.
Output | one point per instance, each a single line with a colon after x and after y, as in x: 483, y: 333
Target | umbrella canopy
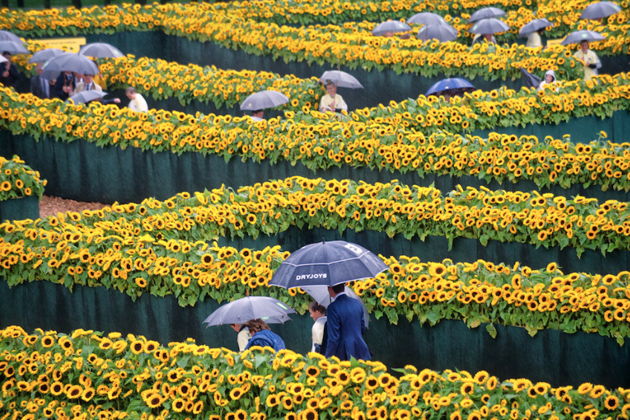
x: 270, y: 310
x: 42, y: 56
x: 10, y: 36
x: 600, y: 10
x: 486, y: 13
x: 69, y: 62
x: 87, y: 96
x: 13, y: 47
x: 390, y: 26
x: 584, y: 35
x: 449, y: 84
x: 327, y: 263
x: 263, y: 100
x: 443, y: 32
x: 489, y: 26
x: 530, y: 80
x: 533, y: 26
x: 341, y: 79
x: 320, y: 295
x: 100, y: 50
x: 426, y: 18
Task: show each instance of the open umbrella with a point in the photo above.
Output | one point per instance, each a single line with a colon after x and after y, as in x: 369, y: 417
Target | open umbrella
x: 533, y: 26
x: 68, y: 62
x: 486, y: 13
x: 13, y: 47
x: 270, y: 310
x: 443, y: 32
x: 341, y: 79
x: 390, y: 26
x: 263, y: 100
x: 10, y: 36
x: 327, y: 263
x: 530, y: 80
x: 426, y: 18
x: 42, y: 56
x: 583, y: 35
x: 600, y: 10
x: 489, y: 26
x: 87, y: 96
x: 320, y: 295
x: 449, y: 84
x: 100, y: 50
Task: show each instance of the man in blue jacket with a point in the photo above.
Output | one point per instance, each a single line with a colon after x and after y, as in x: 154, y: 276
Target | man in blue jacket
x: 345, y: 326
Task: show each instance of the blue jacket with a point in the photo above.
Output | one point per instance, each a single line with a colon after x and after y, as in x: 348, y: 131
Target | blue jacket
x: 344, y: 329
x: 266, y: 338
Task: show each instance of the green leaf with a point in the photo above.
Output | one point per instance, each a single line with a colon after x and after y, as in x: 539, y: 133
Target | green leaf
x: 491, y: 330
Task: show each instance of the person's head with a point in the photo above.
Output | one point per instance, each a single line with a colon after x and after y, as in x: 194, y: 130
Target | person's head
x: 131, y: 93
x: 550, y: 76
x: 259, y: 113
x: 87, y: 78
x: 7, y: 55
x: 336, y: 289
x: 256, y: 325
x: 316, y: 310
x: 487, y: 37
x: 331, y: 88
x: 236, y: 327
x: 584, y: 45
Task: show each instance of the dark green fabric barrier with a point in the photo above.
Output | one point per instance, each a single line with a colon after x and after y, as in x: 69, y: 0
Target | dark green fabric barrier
x: 550, y: 356
x: 20, y: 208
x: 83, y: 171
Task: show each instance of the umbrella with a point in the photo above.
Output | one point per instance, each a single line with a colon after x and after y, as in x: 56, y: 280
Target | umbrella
x: 13, y: 47
x: 390, y: 26
x: 600, y: 10
x: 489, y: 26
x: 449, y: 84
x: 263, y: 99
x: 443, y: 32
x: 327, y: 263
x: 426, y: 18
x: 320, y: 295
x: 533, y: 26
x: 100, y: 50
x: 245, y: 309
x: 68, y: 62
x: 486, y: 13
x: 10, y: 36
x: 87, y: 96
x: 584, y: 35
x: 44, y: 55
x: 530, y: 80
x: 341, y: 79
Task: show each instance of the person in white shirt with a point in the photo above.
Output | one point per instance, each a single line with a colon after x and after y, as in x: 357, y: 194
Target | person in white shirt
x: 588, y: 59
x: 550, y: 77
x: 534, y: 40
x: 243, y: 335
x: 318, y: 313
x: 331, y: 101
x: 87, y: 83
x: 258, y: 115
x: 136, y: 101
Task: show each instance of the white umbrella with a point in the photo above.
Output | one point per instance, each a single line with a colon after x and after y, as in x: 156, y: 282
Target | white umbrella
x: 489, y: 26
x: 245, y: 309
x: 341, y: 79
x: 44, y: 55
x: 10, y: 36
x: 426, y: 18
x: 263, y: 100
x: 533, y: 26
x: 584, y: 35
x: 600, y: 10
x: 68, y: 62
x: 100, y: 50
x: 87, y: 96
x: 486, y: 13
x: 13, y: 47
x: 443, y: 32
x: 321, y: 296
x: 390, y: 26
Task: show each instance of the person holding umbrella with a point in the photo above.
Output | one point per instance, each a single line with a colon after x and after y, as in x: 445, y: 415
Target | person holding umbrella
x: 589, y: 60
x: 262, y: 336
x: 9, y: 74
x: 332, y: 101
x: 345, y: 326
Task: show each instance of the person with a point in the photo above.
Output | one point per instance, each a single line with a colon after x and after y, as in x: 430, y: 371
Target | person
x: 318, y: 314
x: 534, y: 40
x: 550, y: 77
x: 64, y: 86
x: 87, y: 83
x: 489, y: 38
x: 136, y: 101
x: 258, y: 115
x: 589, y: 60
x: 331, y: 101
x: 41, y: 87
x: 243, y: 336
x: 345, y: 326
x: 9, y: 74
x: 262, y: 336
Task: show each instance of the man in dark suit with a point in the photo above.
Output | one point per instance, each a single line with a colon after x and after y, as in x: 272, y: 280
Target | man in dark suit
x: 345, y: 326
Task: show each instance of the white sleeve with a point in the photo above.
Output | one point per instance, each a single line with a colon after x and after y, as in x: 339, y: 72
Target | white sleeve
x: 142, y: 104
x: 242, y: 339
x: 342, y: 104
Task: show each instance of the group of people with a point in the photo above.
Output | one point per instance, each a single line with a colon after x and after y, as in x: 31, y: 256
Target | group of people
x: 337, y: 331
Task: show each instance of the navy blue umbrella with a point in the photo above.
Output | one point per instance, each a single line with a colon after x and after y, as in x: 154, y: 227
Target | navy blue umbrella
x: 327, y: 263
x: 449, y: 84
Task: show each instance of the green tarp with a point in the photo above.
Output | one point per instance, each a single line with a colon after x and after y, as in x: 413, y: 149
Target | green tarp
x: 550, y: 356
x: 20, y: 208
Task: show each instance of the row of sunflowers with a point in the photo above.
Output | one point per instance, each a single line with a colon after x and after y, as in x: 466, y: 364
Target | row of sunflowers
x: 54, y: 375
x: 18, y: 180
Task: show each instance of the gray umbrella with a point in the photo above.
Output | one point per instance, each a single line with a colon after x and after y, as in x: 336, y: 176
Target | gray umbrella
x: 390, y: 26
x: 10, y: 36
x: 584, y: 35
x: 426, y: 18
x: 87, y: 96
x: 245, y: 309
x: 321, y: 296
x: 68, y: 62
x: 600, y: 10
x: 44, y: 55
x: 489, y: 26
x: 533, y: 26
x: 486, y: 13
x: 341, y: 79
x: 13, y: 47
x: 443, y: 32
x: 100, y: 50
x: 263, y: 100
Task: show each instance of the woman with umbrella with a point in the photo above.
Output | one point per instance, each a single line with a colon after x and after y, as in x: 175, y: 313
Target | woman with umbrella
x: 262, y: 336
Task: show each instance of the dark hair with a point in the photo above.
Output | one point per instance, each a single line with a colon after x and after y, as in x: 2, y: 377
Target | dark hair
x: 130, y: 90
x: 316, y: 307
x: 257, y: 111
x: 256, y: 325
x: 338, y: 288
